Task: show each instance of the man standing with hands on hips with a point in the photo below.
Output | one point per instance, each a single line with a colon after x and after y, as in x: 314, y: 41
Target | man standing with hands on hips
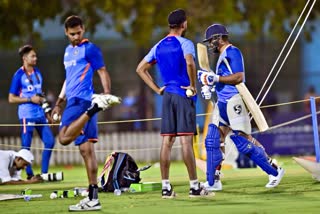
x: 175, y: 57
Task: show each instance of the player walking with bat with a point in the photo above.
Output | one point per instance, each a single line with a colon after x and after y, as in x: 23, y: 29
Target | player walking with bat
x: 230, y: 112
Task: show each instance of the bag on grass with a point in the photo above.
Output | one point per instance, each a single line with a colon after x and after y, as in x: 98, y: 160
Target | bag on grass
x: 119, y: 171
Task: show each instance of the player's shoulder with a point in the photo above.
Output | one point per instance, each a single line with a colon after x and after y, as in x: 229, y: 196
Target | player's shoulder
x: 184, y: 40
x: 233, y: 51
x: 19, y: 72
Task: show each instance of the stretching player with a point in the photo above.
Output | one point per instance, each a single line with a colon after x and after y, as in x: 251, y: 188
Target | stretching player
x: 79, y: 119
x: 230, y: 112
x: 26, y: 90
x: 175, y: 55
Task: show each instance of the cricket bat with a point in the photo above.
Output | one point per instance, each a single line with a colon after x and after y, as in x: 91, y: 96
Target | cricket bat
x: 251, y: 104
x: 4, y: 197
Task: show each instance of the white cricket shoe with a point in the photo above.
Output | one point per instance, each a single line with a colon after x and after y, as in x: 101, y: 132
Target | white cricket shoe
x: 275, y: 180
x: 217, y: 186
x: 104, y: 101
x: 86, y: 205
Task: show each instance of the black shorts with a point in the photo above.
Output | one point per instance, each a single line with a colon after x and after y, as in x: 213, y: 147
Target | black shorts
x: 178, y: 115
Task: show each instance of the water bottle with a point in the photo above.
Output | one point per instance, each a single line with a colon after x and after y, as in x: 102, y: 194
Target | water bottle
x: 117, y: 192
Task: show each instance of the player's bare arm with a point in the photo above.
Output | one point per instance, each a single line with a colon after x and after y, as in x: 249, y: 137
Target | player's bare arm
x: 191, y: 69
x: 105, y: 79
x: 16, y: 99
x: 232, y: 79
x: 143, y: 71
x: 59, y: 103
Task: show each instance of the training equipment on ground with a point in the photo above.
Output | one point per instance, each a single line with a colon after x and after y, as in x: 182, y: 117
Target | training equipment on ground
x: 53, y: 195
x: 243, y: 91
x: 255, y: 153
x: 214, y: 154
x: 57, y: 176
x: 119, y: 171
x: 4, y: 197
x: 145, y: 187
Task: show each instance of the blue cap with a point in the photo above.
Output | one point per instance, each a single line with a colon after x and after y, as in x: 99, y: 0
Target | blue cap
x: 214, y: 30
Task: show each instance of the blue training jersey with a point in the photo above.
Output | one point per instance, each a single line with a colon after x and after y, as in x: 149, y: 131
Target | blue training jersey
x: 24, y: 85
x: 230, y: 61
x: 169, y: 54
x: 80, y: 62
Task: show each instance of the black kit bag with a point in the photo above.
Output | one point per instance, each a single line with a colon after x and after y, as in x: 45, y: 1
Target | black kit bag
x: 119, y: 171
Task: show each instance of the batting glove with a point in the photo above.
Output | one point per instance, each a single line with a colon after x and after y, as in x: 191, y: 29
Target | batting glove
x: 207, y: 78
x: 206, y: 92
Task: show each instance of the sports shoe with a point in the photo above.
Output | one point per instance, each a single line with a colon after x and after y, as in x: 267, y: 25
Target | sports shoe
x: 168, y: 193
x: 105, y: 101
x: 275, y: 180
x: 200, y: 192
x: 217, y: 186
x: 86, y: 205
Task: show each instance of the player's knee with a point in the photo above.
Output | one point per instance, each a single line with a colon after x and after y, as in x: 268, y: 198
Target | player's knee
x: 64, y: 140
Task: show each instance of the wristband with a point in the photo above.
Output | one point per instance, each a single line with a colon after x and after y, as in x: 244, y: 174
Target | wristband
x: 29, y: 99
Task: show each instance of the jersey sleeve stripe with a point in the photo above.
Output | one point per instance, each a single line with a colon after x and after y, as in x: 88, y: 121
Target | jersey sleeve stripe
x: 84, y: 72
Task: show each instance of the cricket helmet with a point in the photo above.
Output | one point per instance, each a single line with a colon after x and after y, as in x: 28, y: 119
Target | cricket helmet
x: 215, y: 30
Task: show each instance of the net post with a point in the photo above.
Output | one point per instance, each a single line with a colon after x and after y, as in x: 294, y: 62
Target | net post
x: 315, y: 127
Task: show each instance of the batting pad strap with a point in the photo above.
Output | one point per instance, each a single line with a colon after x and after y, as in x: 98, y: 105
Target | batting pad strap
x: 255, y: 153
x: 214, y: 154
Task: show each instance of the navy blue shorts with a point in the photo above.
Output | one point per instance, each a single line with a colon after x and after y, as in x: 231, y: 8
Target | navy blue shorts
x: 74, y: 109
x: 178, y: 115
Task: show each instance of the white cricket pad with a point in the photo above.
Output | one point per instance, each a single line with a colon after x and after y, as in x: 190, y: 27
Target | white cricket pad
x: 238, y: 115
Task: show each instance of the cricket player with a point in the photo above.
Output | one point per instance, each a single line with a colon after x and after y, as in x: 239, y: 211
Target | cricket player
x: 230, y: 113
x: 79, y: 120
x: 33, y: 109
x: 175, y: 56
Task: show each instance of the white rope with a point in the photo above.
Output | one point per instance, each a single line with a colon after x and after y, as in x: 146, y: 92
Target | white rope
x: 285, y: 45
x: 288, y: 53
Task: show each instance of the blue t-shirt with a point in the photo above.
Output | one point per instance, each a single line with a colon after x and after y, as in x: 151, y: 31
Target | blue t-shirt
x: 230, y: 62
x: 169, y: 54
x: 80, y: 62
x: 24, y: 85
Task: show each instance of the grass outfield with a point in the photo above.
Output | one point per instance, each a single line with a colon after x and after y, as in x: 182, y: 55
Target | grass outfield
x: 243, y: 192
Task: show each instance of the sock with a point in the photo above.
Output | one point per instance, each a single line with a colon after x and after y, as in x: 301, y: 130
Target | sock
x: 194, y: 184
x: 272, y: 163
x: 166, y: 184
x: 93, y: 191
x: 92, y: 110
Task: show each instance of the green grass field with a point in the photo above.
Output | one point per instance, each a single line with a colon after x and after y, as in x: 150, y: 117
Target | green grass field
x: 243, y: 192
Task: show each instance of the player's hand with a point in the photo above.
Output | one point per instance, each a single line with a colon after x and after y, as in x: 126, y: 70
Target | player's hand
x: 37, y: 99
x: 161, y: 90
x: 193, y: 89
x: 49, y: 118
x: 56, y: 114
x: 206, y: 92
x: 207, y: 78
x: 36, y: 179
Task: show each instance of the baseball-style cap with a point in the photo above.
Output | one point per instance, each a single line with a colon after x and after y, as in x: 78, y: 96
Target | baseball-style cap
x: 177, y: 17
x: 26, y: 155
x: 215, y: 29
